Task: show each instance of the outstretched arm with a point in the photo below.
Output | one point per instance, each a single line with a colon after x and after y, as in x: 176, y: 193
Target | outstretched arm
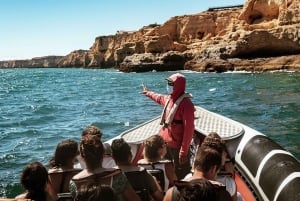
x: 156, y: 97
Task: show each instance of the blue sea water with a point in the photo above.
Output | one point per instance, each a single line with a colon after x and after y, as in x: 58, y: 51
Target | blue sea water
x: 40, y: 107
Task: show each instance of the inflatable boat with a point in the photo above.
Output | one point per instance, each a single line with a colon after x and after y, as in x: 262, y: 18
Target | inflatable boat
x: 264, y: 171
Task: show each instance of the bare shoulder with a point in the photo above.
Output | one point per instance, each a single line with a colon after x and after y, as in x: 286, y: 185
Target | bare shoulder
x: 84, y: 173
x: 21, y: 196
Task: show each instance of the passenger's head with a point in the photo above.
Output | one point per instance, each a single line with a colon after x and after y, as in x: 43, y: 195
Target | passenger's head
x: 92, y: 130
x: 34, y: 179
x: 91, y: 150
x: 121, y: 151
x: 154, y: 148
x: 65, y: 151
x: 201, y: 190
x: 214, y: 141
x: 95, y: 192
x: 208, y: 161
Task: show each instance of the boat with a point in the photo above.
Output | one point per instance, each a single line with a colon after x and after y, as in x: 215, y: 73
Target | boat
x: 264, y: 171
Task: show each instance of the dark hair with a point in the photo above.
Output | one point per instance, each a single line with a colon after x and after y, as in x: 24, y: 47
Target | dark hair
x: 121, y: 151
x: 151, y: 147
x: 34, y: 179
x: 92, y: 130
x: 206, y: 158
x: 95, y: 192
x: 199, y: 190
x: 91, y: 149
x: 65, y: 150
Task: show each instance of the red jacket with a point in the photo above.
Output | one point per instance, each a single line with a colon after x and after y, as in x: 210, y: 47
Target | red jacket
x: 177, y: 135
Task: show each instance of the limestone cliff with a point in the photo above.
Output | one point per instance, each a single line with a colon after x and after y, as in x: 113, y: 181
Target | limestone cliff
x: 261, y: 35
x: 47, y: 61
x: 258, y: 36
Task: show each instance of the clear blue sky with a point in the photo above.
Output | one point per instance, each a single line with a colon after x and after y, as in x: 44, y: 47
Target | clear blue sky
x: 32, y: 28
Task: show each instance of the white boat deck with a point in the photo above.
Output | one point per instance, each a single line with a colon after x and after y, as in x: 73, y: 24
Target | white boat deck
x: 205, y: 122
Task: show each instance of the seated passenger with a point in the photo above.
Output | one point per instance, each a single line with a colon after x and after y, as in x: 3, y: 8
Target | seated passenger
x: 108, y: 161
x: 225, y: 176
x: 206, y: 166
x: 91, y: 150
x: 62, y: 165
x: 154, y: 153
x: 35, y: 180
x: 139, y: 178
x: 95, y: 192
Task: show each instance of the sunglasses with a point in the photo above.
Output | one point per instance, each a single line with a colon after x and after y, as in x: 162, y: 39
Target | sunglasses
x: 170, y: 83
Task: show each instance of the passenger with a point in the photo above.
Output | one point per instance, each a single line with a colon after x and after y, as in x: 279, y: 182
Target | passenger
x: 200, y: 190
x: 178, y: 121
x: 139, y: 178
x: 91, y: 150
x: 225, y: 176
x: 62, y: 165
x: 35, y: 181
x: 213, y: 140
x: 206, y: 166
x: 95, y: 192
x: 154, y: 153
x: 108, y: 161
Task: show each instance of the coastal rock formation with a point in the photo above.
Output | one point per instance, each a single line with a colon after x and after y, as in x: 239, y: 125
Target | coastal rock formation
x: 78, y: 58
x: 47, y: 62
x: 261, y: 35
x: 167, y: 61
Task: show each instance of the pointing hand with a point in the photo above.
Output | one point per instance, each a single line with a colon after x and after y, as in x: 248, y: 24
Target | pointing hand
x: 145, y: 89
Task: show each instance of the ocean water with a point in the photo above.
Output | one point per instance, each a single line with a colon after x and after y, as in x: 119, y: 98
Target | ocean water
x: 41, y: 107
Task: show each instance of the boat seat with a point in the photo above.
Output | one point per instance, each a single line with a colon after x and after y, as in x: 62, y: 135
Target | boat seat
x: 60, y: 179
x: 159, y: 175
x: 65, y: 197
x: 101, y: 178
x: 156, y: 170
x: 135, y: 178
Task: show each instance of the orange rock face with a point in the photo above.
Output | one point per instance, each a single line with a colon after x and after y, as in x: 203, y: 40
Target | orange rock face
x: 219, y: 40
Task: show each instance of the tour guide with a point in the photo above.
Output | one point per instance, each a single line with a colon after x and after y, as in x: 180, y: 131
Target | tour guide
x: 178, y: 121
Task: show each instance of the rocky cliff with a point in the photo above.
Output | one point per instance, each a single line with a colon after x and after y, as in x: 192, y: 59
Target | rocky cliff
x: 261, y: 35
x: 47, y: 62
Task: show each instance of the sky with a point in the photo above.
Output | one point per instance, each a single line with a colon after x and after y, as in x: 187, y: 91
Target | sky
x: 34, y: 28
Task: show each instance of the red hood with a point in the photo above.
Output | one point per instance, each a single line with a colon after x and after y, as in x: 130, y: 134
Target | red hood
x: 179, y: 84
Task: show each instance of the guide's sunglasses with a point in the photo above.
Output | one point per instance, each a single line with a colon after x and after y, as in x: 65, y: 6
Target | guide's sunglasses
x: 170, y: 83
